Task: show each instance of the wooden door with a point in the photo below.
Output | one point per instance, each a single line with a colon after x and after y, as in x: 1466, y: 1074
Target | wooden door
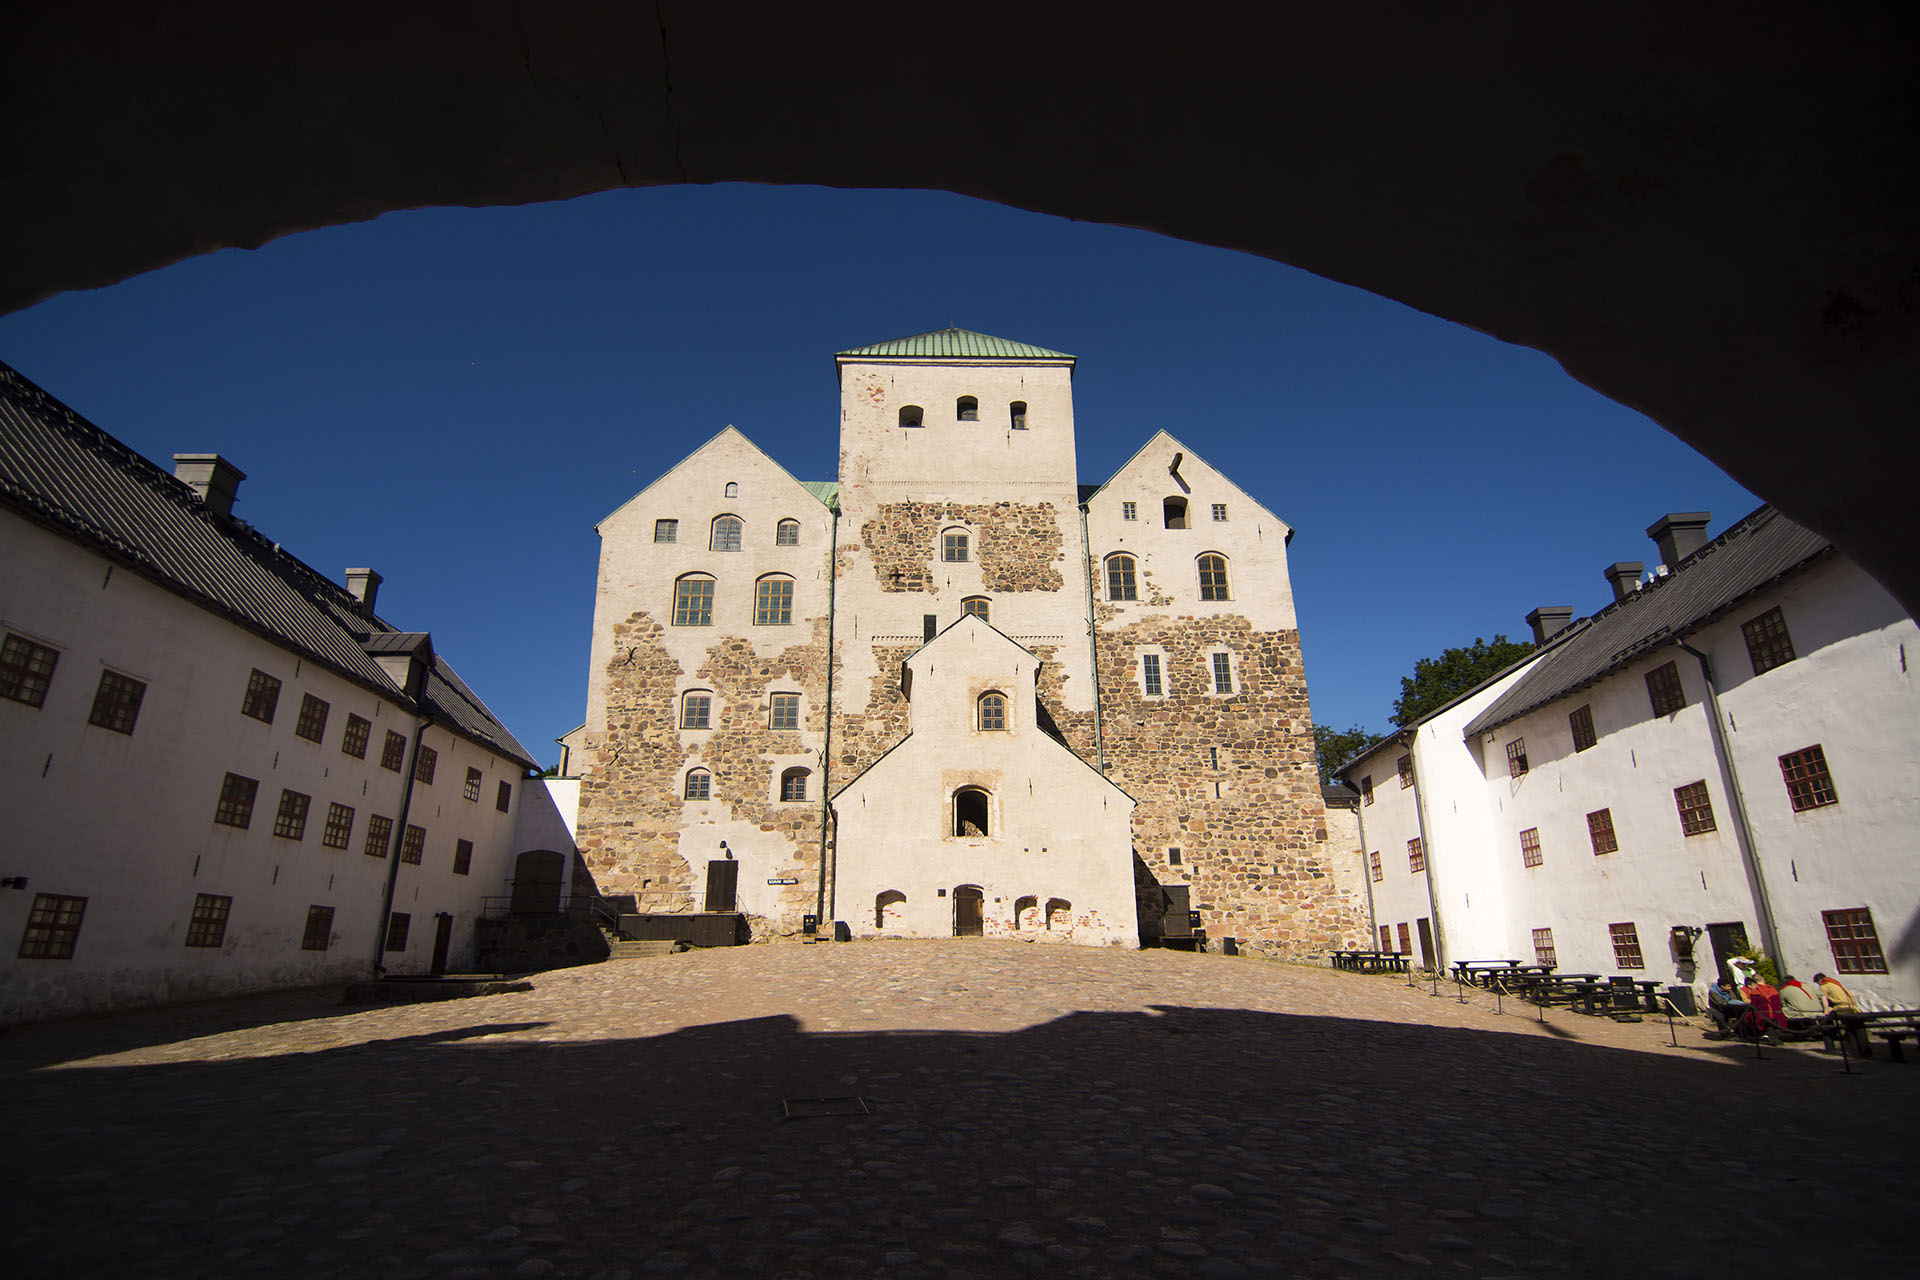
x: 442, y: 939
x: 1426, y: 944
x: 723, y: 878
x: 537, y: 874
x: 968, y: 913
x: 1729, y: 940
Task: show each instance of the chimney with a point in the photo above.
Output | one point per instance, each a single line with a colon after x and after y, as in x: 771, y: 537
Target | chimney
x: 211, y: 477
x: 1549, y: 620
x: 363, y: 585
x: 1625, y: 577
x: 1679, y: 534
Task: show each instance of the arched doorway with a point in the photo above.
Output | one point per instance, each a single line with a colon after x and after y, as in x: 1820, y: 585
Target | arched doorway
x: 972, y: 812
x: 536, y: 883
x: 969, y: 912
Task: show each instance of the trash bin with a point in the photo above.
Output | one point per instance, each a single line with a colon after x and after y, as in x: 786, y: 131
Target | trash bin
x: 1682, y: 998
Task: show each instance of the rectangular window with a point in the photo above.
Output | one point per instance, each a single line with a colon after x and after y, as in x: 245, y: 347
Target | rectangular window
x: 1543, y: 952
x: 1373, y: 865
x: 793, y: 784
x: 319, y: 935
x: 1121, y: 582
x: 312, y: 724
x: 1809, y: 785
x: 1406, y: 938
x: 413, y: 844
x: 339, y: 829
x: 1220, y: 514
x: 1663, y: 689
x: 397, y: 925
x: 1768, y: 644
x: 1222, y: 673
x: 1416, y: 855
x: 26, y: 669
x: 1366, y: 789
x: 1696, y: 808
x: 693, y: 602
x: 354, y: 741
x: 1128, y: 511
x: 503, y: 797
x: 472, y: 788
x: 1581, y: 722
x: 783, y: 711
x: 1626, y: 946
x: 463, y: 857
x: 696, y: 711
x: 666, y: 531
x: 291, y: 822
x: 787, y: 534
x: 953, y: 548
x: 1600, y: 831
x: 1856, y: 946
x: 1173, y: 857
x: 1150, y: 674
x: 1530, y: 847
x: 53, y: 926
x: 1386, y: 937
x: 379, y: 835
x: 263, y: 695
x: 773, y: 602
x: 394, y: 753
x: 425, y: 763
x: 1516, y: 757
x: 116, y: 704
x: 1405, y: 765
x: 236, y: 801
x: 208, y: 927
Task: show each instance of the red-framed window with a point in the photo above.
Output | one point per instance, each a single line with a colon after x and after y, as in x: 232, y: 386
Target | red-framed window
x: 1530, y: 847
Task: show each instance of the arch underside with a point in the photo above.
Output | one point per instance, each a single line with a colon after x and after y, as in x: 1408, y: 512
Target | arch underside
x: 1715, y: 231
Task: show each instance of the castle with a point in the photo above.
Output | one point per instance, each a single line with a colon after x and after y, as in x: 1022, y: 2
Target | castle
x: 956, y: 692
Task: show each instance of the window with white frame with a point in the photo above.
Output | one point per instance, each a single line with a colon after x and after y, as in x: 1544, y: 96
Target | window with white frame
x: 1222, y: 673
x: 1129, y: 511
x: 696, y: 710
x: 783, y: 711
x: 1150, y: 675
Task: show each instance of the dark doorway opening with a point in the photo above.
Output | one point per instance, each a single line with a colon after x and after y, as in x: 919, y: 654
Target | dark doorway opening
x: 970, y: 812
x: 968, y: 912
x: 442, y: 940
x: 536, y: 883
x: 1426, y: 944
x: 1729, y: 939
x: 723, y: 878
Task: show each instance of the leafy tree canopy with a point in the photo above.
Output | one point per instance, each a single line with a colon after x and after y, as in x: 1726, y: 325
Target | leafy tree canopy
x: 1438, y: 681
x: 1337, y: 746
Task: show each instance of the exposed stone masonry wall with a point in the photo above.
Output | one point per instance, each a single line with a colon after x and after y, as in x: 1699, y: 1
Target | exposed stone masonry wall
x: 1018, y: 545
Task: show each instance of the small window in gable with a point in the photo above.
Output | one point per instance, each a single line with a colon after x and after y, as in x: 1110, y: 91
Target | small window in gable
x: 1219, y: 512
x: 787, y: 534
x: 910, y: 415
x: 993, y: 712
x: 967, y: 409
x: 733, y: 489
x: 953, y: 546
x: 977, y: 607
x: 1017, y: 411
x: 699, y: 785
x: 726, y: 533
x: 1176, y: 513
x: 1129, y: 511
x: 666, y: 530
x: 970, y: 812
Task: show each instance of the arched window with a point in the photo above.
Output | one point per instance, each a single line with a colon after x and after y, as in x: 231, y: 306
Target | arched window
x: 910, y: 415
x: 726, y: 533
x: 953, y: 546
x: 733, y: 489
x: 1176, y: 510
x: 793, y: 784
x: 1018, y: 412
x: 693, y: 601
x: 970, y: 811
x: 1120, y: 578
x: 993, y: 712
x: 787, y: 534
x: 773, y: 602
x: 889, y: 909
x: 1213, y: 577
x: 967, y: 409
x: 783, y: 711
x: 977, y: 606
x: 1059, y: 914
x: 1026, y: 913
x: 699, y: 785
x: 696, y: 709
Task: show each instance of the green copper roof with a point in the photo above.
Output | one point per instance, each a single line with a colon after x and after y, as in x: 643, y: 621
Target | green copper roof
x: 828, y: 491
x: 957, y: 344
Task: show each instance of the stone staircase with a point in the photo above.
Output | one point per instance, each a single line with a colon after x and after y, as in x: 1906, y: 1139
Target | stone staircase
x: 619, y: 948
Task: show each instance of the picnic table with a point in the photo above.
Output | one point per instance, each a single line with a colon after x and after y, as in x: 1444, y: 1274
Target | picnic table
x: 1618, y: 994
x: 1890, y: 1025
x: 1470, y: 971
x: 1370, y: 961
x: 1554, y: 988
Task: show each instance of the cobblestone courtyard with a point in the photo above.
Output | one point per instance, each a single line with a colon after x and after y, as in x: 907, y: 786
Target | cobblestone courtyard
x: 1053, y: 1110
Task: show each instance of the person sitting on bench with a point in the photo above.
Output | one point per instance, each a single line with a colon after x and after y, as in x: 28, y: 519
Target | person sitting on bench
x: 1725, y: 1005
x: 1798, y: 1002
x: 1835, y: 995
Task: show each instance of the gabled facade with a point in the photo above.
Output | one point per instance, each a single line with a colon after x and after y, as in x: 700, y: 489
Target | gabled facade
x: 957, y: 497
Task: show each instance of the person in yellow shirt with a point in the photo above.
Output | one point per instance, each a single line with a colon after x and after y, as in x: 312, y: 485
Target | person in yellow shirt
x: 1834, y: 994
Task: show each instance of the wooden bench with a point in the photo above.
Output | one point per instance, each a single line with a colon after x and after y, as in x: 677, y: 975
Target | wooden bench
x: 1860, y: 1027
x: 1893, y: 1036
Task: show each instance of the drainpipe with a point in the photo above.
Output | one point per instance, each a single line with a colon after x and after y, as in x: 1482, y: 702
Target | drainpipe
x: 1093, y: 648
x: 826, y: 749
x: 1426, y: 844
x: 394, y: 841
x: 1743, y: 829
x: 1366, y: 874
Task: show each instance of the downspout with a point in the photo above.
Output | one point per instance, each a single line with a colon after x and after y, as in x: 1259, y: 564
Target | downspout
x: 826, y: 748
x: 1426, y: 845
x: 393, y: 851
x: 1093, y: 648
x: 1743, y: 829
x: 1366, y: 873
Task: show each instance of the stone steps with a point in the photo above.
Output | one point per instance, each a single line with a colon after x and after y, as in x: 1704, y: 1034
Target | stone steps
x: 625, y: 949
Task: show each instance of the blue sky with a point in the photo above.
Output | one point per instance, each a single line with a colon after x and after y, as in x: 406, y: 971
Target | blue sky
x: 455, y: 396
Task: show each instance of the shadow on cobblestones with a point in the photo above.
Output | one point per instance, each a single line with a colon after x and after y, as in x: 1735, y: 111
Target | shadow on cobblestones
x: 1169, y: 1141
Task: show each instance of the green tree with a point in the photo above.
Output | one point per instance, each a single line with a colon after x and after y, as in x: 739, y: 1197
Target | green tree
x: 1437, y: 681
x: 1337, y: 746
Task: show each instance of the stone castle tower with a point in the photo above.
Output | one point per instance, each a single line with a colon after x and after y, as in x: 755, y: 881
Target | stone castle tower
x: 956, y: 691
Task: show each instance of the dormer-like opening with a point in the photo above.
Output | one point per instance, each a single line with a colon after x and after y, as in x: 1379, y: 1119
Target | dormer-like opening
x: 1176, y: 512
x: 733, y: 488
x: 970, y: 811
x: 911, y: 415
x: 966, y: 409
x: 1017, y: 411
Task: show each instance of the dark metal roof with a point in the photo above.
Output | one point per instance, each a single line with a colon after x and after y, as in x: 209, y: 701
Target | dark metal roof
x: 62, y: 472
x: 1753, y: 553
